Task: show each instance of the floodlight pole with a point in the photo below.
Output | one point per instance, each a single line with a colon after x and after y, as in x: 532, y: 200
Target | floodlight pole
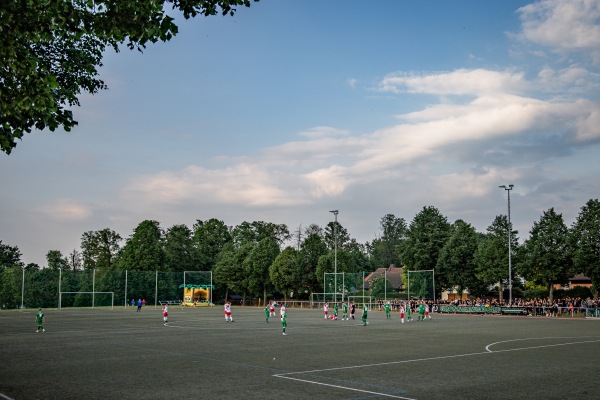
x: 335, y: 213
x: 508, y: 189
x: 22, y: 287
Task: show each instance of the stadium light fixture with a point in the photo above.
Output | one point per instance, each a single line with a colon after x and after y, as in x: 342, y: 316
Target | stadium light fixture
x: 508, y: 189
x: 335, y: 213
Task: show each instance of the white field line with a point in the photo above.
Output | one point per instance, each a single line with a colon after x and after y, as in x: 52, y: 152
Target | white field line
x: 487, y: 348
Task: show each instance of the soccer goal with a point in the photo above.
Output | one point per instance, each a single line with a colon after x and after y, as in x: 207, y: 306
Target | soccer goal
x: 368, y: 300
x: 86, y: 299
x: 421, y: 284
x: 318, y: 299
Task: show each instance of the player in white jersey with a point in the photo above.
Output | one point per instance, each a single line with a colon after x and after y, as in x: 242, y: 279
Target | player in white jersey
x: 228, y: 316
x: 427, y: 311
x: 282, y: 310
x: 402, y: 313
x: 271, y: 309
x: 165, y: 311
x: 325, y: 310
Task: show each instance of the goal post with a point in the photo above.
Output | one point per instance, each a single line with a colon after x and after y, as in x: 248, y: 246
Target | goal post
x: 421, y: 284
x: 368, y: 300
x: 83, y: 299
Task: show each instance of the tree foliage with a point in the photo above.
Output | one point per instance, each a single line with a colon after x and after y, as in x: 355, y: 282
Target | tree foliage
x: 585, y: 238
x: 258, y: 263
x: 426, y: 236
x: 99, y: 249
x: 209, y: 238
x: 180, y: 254
x: 546, y: 256
x: 286, y: 272
x: 385, y: 250
x: 492, y: 253
x: 457, y: 259
x: 144, y: 250
x: 50, y: 52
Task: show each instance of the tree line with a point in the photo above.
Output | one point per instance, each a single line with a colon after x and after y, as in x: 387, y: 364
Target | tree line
x: 264, y: 259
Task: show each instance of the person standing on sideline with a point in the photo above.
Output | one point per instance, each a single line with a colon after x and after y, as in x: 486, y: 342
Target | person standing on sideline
x: 352, y: 310
x: 284, y: 323
x: 402, y: 312
x: 325, y: 310
x: 39, y: 319
x: 267, y: 312
x: 388, y: 310
x: 139, y: 305
x: 227, y: 310
x: 165, y: 313
x: 365, y: 314
x: 344, y: 311
x: 271, y: 309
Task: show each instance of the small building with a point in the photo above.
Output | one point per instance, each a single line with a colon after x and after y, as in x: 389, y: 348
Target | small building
x: 392, y: 274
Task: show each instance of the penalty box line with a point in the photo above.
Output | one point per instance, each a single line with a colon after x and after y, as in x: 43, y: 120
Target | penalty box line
x: 487, y: 351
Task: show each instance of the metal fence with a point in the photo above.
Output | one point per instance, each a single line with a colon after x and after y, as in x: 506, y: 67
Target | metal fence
x: 33, y: 288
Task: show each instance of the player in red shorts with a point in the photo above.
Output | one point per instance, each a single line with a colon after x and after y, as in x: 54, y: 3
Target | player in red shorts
x: 228, y: 316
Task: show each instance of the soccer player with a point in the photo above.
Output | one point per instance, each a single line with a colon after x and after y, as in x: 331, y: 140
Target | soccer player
x: 335, y: 311
x: 284, y: 323
x: 282, y: 310
x: 408, y: 312
x: 421, y: 312
x: 402, y: 313
x: 228, y: 316
x: 165, y: 313
x: 388, y: 310
x: 39, y: 319
x: 352, y: 310
x: 325, y: 310
x: 271, y: 309
x: 267, y: 312
x: 139, y: 304
x: 344, y: 311
x: 427, y: 311
x: 365, y: 314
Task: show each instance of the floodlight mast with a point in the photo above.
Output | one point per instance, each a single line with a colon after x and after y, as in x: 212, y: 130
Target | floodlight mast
x: 508, y: 189
x: 335, y: 213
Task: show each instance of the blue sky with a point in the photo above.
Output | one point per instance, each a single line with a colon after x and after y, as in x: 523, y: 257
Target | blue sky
x: 290, y: 109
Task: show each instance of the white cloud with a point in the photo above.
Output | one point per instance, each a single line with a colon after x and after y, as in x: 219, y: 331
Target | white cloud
x: 461, y: 82
x: 330, y: 161
x: 65, y: 210
x: 565, y: 25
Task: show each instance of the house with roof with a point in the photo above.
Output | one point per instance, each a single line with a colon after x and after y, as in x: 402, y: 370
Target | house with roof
x: 392, y: 273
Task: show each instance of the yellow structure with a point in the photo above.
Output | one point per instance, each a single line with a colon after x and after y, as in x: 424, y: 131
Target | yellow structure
x: 196, y: 295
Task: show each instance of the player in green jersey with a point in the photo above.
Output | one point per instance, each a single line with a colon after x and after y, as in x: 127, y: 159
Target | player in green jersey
x: 388, y: 310
x: 421, y: 312
x: 365, y: 314
x: 335, y: 311
x: 344, y: 311
x: 39, y: 319
x: 284, y: 322
x: 408, y: 311
x: 267, y: 312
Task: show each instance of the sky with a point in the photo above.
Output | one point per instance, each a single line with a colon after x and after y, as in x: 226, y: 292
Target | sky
x: 291, y: 109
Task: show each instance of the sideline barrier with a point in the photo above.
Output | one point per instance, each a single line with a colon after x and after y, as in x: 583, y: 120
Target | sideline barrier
x: 588, y: 312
